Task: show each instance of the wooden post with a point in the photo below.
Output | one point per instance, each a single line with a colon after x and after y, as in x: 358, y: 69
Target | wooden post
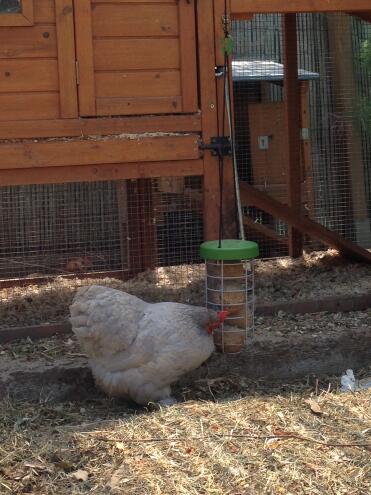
x: 351, y: 167
x: 141, y: 229
x: 208, y: 97
x: 229, y: 201
x: 292, y: 121
x: 306, y: 150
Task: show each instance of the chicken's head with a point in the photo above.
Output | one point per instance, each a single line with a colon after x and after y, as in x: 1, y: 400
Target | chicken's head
x: 216, y: 319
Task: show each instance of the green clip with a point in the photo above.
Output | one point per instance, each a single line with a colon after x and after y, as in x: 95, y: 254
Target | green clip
x: 227, y: 45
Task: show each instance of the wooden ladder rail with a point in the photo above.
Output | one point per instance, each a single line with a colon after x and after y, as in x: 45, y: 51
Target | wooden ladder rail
x: 252, y: 196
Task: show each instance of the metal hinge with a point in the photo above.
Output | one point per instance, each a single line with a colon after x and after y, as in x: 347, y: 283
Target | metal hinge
x: 219, y: 146
x: 77, y: 72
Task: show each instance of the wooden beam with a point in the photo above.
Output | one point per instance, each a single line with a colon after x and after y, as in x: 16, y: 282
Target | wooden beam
x: 206, y: 53
x: 91, y: 173
x: 292, y: 123
x: 265, y: 231
x: 34, y: 129
x: 96, y: 151
x: 296, y: 6
x: 66, y: 58
x: 251, y: 196
x: 188, y: 65
x: 364, y: 16
x: 241, y: 16
x: 141, y: 227
x: 229, y: 199
x: 349, y: 160
x: 85, y: 59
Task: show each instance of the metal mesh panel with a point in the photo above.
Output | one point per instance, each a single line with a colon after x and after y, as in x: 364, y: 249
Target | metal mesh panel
x: 123, y: 226
x: 59, y: 228
x: 335, y: 112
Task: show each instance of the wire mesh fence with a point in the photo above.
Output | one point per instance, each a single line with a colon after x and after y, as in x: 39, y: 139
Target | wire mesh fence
x: 141, y: 236
x: 98, y: 227
x: 335, y: 94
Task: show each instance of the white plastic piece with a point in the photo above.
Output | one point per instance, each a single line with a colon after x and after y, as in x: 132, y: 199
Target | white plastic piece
x: 349, y: 382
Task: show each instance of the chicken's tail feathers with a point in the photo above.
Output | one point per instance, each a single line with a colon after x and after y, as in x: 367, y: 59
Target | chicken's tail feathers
x: 80, y: 308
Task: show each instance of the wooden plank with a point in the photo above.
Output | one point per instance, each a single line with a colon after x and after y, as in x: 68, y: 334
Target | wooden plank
x: 28, y: 10
x: 187, y: 39
x: 44, y: 12
x: 66, y: 58
x: 136, y: 1
x: 124, y: 54
x: 135, y: 84
x: 24, y: 18
x: 85, y: 57
x: 138, y: 106
x: 296, y: 6
x: 335, y: 304
x: 365, y: 16
x: 103, y: 126
x: 90, y: 173
x: 229, y: 199
x: 244, y: 16
x: 291, y: 88
x: 251, y: 196
x: 34, y: 332
x: 208, y: 96
x: 265, y: 231
x: 268, y: 167
x: 26, y: 42
x: 29, y: 106
x: 141, y: 20
x: 89, y: 152
x: 141, y: 226
x: 24, y: 76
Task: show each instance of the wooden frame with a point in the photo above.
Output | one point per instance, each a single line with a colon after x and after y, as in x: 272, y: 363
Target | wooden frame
x: 101, y: 172
x: 34, y: 129
x: 188, y: 69
x: 23, y: 18
x: 97, y: 151
x: 209, y: 114
x: 66, y: 58
x: 239, y: 7
x: 292, y: 108
x: 84, y: 56
x: 90, y: 104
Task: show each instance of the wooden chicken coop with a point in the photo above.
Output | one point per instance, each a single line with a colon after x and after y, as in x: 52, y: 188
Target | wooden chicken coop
x: 125, y: 91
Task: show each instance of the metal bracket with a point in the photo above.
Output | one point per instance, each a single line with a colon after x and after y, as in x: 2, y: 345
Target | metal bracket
x: 219, y: 146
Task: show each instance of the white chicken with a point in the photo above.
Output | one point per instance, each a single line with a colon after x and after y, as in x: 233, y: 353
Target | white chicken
x: 137, y: 349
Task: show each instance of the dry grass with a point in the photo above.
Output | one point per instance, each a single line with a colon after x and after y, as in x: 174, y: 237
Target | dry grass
x: 253, y: 442
x: 319, y: 274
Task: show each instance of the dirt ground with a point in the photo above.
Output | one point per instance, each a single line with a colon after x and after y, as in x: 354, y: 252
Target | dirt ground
x: 317, y: 275
x: 228, y: 435
x: 231, y: 436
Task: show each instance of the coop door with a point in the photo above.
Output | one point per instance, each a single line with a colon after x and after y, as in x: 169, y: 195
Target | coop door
x: 267, y: 142
x: 136, y: 57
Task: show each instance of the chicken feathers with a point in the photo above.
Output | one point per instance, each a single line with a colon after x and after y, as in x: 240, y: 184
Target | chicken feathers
x: 137, y: 349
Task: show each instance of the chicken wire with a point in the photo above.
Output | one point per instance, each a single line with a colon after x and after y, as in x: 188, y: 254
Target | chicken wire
x: 334, y: 59
x: 118, y: 228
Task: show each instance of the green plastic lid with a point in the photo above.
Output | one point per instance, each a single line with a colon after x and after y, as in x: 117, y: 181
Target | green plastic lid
x: 230, y: 250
